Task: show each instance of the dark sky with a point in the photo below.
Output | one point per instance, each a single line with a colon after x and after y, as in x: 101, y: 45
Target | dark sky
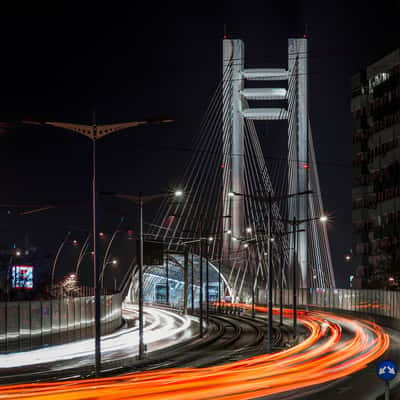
x: 152, y: 58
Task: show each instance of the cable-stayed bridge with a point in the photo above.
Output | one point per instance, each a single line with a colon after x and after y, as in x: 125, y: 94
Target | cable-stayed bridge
x: 245, y: 226
x: 242, y: 207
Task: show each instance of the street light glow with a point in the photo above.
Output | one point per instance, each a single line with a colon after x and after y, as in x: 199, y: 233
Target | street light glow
x: 272, y: 239
x: 231, y: 194
x: 246, y: 245
x: 248, y: 230
x: 17, y: 253
x: 229, y: 232
x: 323, y: 218
x: 210, y: 238
x: 114, y: 262
x: 233, y: 238
x: 178, y: 193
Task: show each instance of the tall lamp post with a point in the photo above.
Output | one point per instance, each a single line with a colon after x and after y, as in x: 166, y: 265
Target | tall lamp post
x: 200, y: 240
x: 95, y: 132
x: 140, y: 200
x: 270, y: 200
x: 107, y: 252
x: 295, y: 223
x: 53, y: 268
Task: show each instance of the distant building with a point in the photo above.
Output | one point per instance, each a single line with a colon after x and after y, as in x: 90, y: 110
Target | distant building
x: 375, y: 108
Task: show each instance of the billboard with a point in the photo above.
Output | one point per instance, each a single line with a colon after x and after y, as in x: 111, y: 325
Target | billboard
x: 22, y: 276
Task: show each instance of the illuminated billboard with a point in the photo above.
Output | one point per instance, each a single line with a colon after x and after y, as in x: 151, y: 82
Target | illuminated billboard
x: 22, y: 276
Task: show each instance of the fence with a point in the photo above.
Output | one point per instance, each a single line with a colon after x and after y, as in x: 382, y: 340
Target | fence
x: 26, y: 325
x: 382, y: 304
x: 377, y: 302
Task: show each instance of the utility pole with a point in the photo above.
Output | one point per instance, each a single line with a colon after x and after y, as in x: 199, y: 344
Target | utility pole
x: 253, y: 313
x: 219, y: 283
x: 269, y: 335
x: 192, y: 281
x: 201, y: 282
x: 167, y: 278
x: 141, y: 328
x: 294, y: 279
x: 207, y: 284
x: 96, y: 132
x: 96, y: 270
x: 269, y: 201
x: 140, y: 200
x: 281, y: 288
x: 185, y: 279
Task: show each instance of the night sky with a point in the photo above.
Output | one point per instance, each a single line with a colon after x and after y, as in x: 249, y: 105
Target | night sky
x: 152, y: 58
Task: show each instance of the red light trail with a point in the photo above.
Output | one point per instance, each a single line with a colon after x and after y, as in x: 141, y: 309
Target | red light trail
x: 325, y: 355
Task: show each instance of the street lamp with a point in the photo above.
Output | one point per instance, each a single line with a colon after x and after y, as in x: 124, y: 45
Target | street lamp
x: 200, y: 240
x: 117, y: 230
x: 295, y: 222
x: 323, y: 218
x: 82, y: 253
x: 57, y: 255
x: 140, y: 200
x: 95, y: 132
x: 269, y: 200
x: 105, y: 264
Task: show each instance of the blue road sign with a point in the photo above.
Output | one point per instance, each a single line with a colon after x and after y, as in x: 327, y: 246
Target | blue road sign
x: 386, y: 370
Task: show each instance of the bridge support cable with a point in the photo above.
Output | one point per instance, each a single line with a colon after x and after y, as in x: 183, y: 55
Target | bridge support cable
x: 200, y: 202
x: 228, y: 158
x: 204, y: 155
x: 321, y: 234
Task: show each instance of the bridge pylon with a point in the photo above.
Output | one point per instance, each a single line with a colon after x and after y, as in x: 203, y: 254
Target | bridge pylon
x: 237, y: 113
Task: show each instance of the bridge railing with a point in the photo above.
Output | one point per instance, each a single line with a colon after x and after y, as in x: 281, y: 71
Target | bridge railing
x: 382, y: 303
x: 26, y: 325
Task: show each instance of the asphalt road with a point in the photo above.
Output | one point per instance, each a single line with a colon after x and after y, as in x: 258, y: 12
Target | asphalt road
x: 362, y: 385
x: 335, y: 348
x: 163, y: 328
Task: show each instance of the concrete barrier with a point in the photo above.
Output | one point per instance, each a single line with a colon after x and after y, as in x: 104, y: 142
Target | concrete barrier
x: 26, y: 325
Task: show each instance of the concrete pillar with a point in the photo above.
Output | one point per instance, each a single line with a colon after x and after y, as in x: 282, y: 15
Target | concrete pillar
x: 233, y: 140
x: 299, y: 169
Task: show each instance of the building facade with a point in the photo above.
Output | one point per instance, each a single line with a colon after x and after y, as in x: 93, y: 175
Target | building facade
x: 375, y: 107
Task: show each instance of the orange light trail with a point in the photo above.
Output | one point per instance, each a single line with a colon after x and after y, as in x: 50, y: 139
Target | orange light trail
x: 325, y: 355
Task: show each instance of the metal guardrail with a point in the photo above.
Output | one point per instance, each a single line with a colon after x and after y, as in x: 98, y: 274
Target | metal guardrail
x: 383, y: 303
x: 26, y: 325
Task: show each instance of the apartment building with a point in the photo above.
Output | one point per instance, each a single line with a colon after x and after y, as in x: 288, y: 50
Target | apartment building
x: 375, y: 107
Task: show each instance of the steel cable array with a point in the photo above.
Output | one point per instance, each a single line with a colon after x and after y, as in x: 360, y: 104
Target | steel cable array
x: 201, y: 212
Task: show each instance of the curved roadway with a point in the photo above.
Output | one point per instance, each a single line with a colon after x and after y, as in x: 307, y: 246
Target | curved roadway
x: 162, y: 329
x: 326, y: 355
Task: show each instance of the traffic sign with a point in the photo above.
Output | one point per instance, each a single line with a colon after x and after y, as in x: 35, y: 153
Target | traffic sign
x: 386, y: 370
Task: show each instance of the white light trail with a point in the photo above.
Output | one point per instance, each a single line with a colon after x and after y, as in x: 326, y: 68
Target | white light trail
x: 163, y: 329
